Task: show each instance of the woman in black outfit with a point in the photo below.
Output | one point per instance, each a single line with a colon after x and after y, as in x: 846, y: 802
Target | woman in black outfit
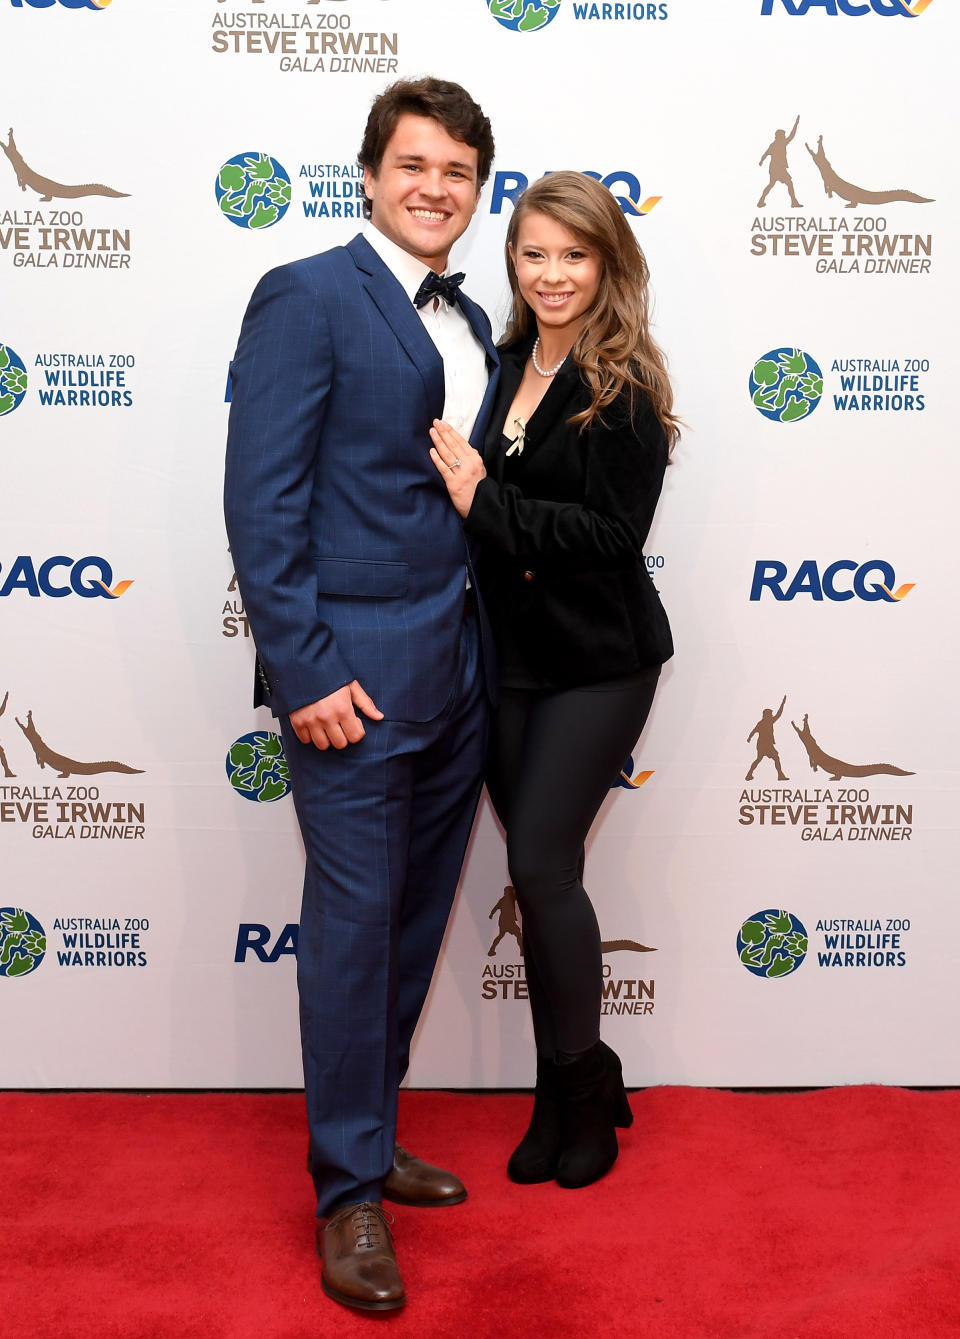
x: 562, y: 500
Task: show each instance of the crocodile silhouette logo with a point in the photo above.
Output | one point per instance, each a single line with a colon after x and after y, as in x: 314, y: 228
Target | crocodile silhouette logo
x: 834, y: 184
x: 524, y: 16
x: 257, y: 767
x: 509, y: 923
x: 62, y: 765
x: 45, y: 187
x: 837, y: 770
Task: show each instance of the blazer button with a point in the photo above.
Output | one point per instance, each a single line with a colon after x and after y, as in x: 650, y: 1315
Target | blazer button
x: 528, y: 576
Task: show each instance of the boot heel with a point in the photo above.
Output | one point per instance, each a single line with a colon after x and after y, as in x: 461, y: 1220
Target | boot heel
x: 622, y: 1115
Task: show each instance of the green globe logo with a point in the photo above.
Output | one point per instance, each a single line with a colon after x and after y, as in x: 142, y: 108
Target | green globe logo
x: 23, y: 942
x: 13, y: 380
x: 253, y: 190
x: 257, y: 767
x: 786, y: 385
x: 772, y: 943
x: 524, y: 16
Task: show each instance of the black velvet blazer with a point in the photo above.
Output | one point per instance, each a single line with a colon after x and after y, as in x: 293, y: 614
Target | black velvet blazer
x: 562, y: 570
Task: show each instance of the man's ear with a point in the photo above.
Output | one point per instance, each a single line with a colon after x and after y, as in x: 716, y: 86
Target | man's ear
x: 369, y: 183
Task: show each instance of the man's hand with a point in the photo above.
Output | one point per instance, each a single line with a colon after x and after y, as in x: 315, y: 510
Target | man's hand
x: 332, y: 721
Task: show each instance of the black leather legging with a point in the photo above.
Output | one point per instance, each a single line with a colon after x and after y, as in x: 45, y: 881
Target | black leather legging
x: 554, y: 757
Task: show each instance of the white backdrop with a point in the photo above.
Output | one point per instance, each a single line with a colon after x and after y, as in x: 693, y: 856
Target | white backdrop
x: 145, y: 938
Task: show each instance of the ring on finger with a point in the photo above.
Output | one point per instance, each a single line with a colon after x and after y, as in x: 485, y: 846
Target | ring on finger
x: 456, y: 464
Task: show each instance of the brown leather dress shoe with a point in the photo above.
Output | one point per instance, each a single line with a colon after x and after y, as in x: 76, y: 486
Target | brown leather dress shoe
x: 359, y: 1265
x: 414, y: 1182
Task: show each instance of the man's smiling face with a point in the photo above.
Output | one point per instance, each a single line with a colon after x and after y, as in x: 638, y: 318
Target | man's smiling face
x: 426, y: 190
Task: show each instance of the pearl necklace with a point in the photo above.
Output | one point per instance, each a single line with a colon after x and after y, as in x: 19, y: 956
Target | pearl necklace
x: 554, y: 370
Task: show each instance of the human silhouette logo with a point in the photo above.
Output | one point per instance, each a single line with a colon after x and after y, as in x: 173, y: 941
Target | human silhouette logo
x: 257, y: 767
x: 772, y: 943
x: 786, y: 385
x: 524, y: 16
x: 508, y: 921
x: 23, y: 942
x: 253, y: 190
x: 13, y: 380
x: 766, y: 744
x: 776, y: 152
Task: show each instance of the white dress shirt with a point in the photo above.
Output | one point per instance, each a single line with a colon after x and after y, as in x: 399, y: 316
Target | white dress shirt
x: 465, y: 374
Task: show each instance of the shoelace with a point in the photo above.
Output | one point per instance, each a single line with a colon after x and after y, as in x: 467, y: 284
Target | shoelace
x: 370, y: 1220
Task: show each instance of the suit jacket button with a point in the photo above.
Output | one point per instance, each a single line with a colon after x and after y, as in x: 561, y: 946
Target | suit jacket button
x: 528, y: 576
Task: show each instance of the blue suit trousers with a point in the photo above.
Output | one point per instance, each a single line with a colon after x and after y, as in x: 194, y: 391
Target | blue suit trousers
x: 385, y: 825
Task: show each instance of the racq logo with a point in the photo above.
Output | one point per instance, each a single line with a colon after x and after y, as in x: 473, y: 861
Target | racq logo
x: 855, y: 9
x: 90, y: 577
x: 871, y: 581
x: 511, y: 185
x: 64, y: 4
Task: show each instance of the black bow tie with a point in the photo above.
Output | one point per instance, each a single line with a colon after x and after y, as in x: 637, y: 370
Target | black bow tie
x: 439, y: 286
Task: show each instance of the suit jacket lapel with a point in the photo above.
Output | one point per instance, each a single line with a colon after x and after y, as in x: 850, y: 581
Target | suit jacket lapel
x: 511, y: 372
x: 480, y: 327
x: 401, y: 315
x: 556, y: 403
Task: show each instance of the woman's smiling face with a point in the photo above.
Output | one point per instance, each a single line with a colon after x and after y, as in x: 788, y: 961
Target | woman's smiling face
x: 558, y: 274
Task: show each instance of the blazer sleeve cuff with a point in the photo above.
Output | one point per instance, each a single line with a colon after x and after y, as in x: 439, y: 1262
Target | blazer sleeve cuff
x: 485, y: 509
x: 288, y: 688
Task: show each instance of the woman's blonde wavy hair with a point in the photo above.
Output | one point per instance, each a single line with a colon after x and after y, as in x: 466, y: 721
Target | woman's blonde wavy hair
x: 615, y: 348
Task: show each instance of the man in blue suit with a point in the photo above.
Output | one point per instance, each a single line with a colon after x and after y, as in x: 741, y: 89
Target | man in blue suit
x: 371, y: 647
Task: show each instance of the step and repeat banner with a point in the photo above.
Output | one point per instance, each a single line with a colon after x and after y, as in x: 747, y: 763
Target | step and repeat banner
x: 774, y: 868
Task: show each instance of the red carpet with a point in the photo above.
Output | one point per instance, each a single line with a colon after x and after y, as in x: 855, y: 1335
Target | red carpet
x: 826, y: 1215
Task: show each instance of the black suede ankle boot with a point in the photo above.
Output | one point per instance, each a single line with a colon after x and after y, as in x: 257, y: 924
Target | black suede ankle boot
x: 593, y: 1103
x: 535, y: 1157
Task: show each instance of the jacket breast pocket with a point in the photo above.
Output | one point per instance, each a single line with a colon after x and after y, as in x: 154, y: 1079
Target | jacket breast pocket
x: 361, y: 578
